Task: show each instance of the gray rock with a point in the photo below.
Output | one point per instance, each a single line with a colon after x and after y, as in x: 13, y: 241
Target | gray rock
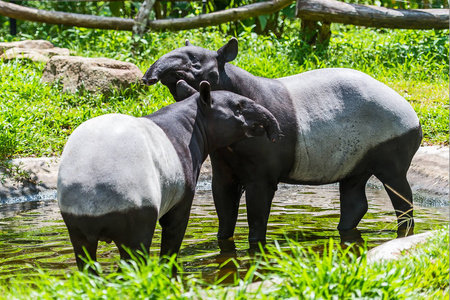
x: 38, y: 55
x: 90, y: 74
x: 28, y: 44
x: 42, y: 173
x: 393, y: 249
x: 35, y: 50
x: 429, y: 171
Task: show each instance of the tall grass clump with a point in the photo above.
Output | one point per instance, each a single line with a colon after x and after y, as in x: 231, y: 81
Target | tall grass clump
x: 337, y: 272
x: 137, y: 280
x: 340, y: 273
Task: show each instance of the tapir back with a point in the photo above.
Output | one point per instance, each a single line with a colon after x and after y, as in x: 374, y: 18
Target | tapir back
x: 114, y: 163
x: 343, y: 114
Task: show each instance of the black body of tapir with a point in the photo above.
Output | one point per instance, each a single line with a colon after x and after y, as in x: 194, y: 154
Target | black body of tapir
x: 340, y: 125
x: 120, y: 174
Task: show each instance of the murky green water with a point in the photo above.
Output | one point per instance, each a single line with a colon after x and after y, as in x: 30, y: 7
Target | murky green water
x: 33, y: 233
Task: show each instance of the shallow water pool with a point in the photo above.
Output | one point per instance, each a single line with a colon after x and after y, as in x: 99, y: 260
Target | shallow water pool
x: 32, y: 234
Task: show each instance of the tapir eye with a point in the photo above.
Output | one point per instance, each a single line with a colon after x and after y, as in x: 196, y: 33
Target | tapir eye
x: 197, y: 67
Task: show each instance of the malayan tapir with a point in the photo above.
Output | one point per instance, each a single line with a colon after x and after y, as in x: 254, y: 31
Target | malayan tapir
x: 119, y: 174
x: 340, y: 125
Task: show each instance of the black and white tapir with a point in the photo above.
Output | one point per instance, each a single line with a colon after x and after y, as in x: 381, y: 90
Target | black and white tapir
x: 340, y: 125
x: 120, y: 174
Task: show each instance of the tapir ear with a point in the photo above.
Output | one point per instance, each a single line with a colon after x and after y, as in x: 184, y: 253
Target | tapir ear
x: 205, y: 94
x: 184, y: 90
x: 229, y: 51
x: 187, y: 43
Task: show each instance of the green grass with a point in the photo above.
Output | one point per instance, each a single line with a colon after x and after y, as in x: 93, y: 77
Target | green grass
x: 36, y: 118
x: 339, y: 274
x: 300, y: 273
x: 430, y: 101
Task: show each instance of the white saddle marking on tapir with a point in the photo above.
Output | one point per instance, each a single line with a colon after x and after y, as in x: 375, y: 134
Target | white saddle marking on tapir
x: 342, y: 114
x: 117, y: 162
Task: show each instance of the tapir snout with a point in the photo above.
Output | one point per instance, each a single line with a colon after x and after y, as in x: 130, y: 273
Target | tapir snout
x: 263, y: 121
x: 149, y: 81
x: 151, y: 76
x: 163, y: 69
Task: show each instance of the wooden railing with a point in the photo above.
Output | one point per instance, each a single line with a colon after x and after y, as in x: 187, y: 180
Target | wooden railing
x: 332, y: 11
x: 20, y: 12
x: 310, y: 11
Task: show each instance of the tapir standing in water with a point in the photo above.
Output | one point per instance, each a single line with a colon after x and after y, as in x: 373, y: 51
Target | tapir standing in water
x: 340, y: 125
x: 120, y: 174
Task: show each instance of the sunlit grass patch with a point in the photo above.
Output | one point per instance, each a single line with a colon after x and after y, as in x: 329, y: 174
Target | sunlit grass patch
x: 430, y: 100
x: 337, y: 272
x: 36, y: 118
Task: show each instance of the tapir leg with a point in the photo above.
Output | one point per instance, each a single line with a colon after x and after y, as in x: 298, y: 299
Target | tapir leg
x: 83, y: 248
x: 259, y: 198
x: 400, y: 193
x: 134, y: 231
x: 353, y: 201
x: 227, y: 192
x: 393, y: 161
x: 174, y: 224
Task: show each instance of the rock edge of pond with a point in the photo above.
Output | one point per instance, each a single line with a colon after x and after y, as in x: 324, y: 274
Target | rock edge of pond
x: 428, y: 176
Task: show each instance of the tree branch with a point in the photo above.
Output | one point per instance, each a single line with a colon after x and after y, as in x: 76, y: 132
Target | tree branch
x: 143, y: 17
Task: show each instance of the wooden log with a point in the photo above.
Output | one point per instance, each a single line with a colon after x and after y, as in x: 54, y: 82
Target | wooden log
x: 88, y: 21
x: 220, y: 17
x: 69, y: 19
x: 372, y: 16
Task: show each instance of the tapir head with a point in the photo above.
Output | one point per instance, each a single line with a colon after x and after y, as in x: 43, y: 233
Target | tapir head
x: 229, y: 117
x: 192, y: 64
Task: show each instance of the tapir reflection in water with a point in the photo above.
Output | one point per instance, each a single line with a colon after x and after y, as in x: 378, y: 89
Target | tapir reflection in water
x: 120, y: 174
x: 340, y: 125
